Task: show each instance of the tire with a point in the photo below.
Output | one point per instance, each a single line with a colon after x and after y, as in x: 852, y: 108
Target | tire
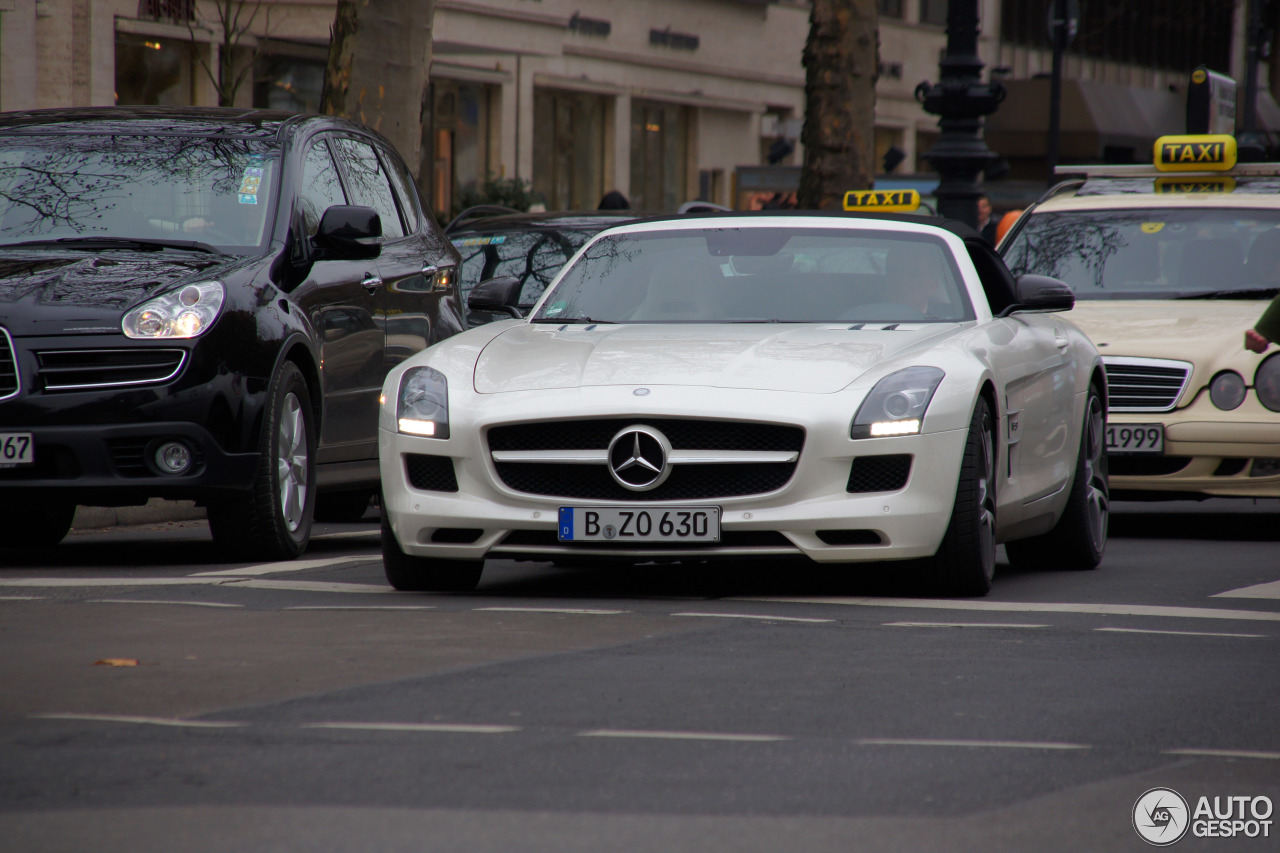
x: 343, y: 507
x: 273, y: 522
x: 965, y: 562
x: 40, y: 526
x: 424, y: 574
x: 1077, y: 541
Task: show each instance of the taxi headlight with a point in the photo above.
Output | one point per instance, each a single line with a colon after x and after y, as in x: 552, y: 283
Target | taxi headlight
x: 1226, y: 391
x: 1267, y: 382
x: 187, y: 312
x: 422, y: 406
x: 897, y: 404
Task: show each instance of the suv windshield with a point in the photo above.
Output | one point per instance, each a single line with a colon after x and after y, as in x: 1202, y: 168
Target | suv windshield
x: 66, y: 187
x: 1152, y: 253
x: 760, y: 275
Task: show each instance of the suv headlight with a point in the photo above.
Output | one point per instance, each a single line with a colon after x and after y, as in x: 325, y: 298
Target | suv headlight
x: 422, y: 406
x: 187, y: 312
x: 897, y: 404
x: 1267, y: 383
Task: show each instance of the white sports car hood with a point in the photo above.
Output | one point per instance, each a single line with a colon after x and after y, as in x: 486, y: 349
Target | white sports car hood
x: 815, y: 359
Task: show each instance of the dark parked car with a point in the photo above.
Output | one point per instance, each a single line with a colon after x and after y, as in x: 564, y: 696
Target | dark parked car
x: 529, y: 247
x: 202, y: 304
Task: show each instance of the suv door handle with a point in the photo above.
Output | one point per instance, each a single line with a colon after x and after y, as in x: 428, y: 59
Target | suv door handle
x: 371, y: 282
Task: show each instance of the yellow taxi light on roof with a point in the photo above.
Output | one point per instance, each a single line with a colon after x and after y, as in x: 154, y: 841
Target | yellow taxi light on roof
x: 1208, y: 153
x: 882, y: 201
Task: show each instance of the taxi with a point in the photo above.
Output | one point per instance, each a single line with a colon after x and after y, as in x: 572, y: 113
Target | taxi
x: 1170, y: 263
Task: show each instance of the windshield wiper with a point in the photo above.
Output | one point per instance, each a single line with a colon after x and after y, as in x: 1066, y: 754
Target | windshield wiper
x: 569, y: 321
x: 91, y: 243
x: 1255, y: 293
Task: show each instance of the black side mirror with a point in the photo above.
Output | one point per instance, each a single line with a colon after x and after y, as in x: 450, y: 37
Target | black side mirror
x: 1041, y: 293
x: 500, y: 295
x: 349, y: 232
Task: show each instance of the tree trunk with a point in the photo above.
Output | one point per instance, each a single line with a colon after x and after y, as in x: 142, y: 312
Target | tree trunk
x: 379, y: 62
x: 841, y: 61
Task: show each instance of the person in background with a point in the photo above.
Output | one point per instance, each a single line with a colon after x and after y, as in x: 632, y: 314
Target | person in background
x: 1263, y: 267
x: 986, y: 225
x: 614, y: 200
x: 1267, y: 330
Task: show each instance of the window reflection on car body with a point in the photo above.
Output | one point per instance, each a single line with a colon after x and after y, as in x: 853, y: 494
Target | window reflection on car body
x: 1252, y: 293
x: 96, y: 243
x: 572, y: 320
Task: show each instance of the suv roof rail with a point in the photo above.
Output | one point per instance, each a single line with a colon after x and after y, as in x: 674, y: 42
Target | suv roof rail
x: 478, y: 211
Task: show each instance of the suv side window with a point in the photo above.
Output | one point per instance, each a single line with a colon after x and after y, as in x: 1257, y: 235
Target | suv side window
x: 403, y: 184
x: 321, y: 188
x: 370, y: 185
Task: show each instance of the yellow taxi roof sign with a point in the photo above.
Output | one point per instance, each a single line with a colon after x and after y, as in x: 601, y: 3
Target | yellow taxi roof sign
x: 1200, y: 153
x: 882, y: 201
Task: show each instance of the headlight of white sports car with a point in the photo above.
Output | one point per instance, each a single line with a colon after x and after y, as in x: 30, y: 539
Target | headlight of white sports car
x: 422, y: 406
x: 897, y: 404
x: 187, y: 312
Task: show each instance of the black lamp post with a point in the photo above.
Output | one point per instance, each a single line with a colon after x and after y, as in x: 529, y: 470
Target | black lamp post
x: 960, y: 99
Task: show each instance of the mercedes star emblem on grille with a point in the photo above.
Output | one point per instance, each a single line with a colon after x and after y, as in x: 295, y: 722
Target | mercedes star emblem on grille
x: 638, y: 458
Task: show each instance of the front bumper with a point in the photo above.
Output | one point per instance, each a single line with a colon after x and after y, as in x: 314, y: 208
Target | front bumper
x: 812, y: 515
x: 1207, y: 453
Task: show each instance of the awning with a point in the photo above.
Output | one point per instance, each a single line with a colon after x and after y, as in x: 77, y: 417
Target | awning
x: 1095, y: 117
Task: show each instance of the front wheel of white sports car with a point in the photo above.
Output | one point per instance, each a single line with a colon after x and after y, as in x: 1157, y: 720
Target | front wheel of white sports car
x: 965, y: 562
x: 423, y: 574
x: 1078, y: 540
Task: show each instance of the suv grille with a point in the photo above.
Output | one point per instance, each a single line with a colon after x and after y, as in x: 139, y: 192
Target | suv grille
x: 1145, y: 384
x: 75, y: 370
x: 691, y: 481
x: 8, y: 367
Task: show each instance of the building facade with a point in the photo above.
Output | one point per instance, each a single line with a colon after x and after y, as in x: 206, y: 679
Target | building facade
x: 662, y: 100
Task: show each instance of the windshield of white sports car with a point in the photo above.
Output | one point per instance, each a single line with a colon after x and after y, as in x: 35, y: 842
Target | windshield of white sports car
x: 760, y: 275
x: 70, y: 190
x: 1153, y: 253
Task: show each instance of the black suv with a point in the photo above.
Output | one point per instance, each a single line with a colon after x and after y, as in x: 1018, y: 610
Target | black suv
x: 202, y: 304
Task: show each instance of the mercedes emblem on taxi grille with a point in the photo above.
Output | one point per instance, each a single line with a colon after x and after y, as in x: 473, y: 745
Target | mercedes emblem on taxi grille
x: 639, y: 458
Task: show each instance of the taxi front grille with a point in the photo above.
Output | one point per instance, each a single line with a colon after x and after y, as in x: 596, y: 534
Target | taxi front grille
x: 85, y: 369
x: 8, y: 367
x: 1145, y: 384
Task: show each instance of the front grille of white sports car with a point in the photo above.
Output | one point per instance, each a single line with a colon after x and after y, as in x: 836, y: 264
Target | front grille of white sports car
x: 775, y: 448
x: 1145, y: 384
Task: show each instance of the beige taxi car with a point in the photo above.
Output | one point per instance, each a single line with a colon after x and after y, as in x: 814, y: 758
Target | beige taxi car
x: 1170, y: 264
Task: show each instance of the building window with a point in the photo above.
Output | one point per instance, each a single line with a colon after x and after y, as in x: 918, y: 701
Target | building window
x: 153, y: 71
x: 568, y: 148
x: 933, y: 12
x: 659, y: 155
x: 291, y: 83
x: 890, y: 8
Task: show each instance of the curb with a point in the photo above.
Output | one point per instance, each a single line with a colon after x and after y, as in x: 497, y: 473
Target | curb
x: 155, y: 511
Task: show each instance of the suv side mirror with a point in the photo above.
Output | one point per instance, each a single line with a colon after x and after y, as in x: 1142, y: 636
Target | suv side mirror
x: 349, y: 232
x: 1041, y: 293
x: 500, y: 295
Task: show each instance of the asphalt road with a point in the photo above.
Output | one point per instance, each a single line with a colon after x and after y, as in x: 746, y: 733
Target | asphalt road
x: 306, y: 706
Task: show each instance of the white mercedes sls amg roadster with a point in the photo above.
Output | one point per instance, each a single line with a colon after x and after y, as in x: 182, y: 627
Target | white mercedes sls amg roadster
x: 855, y: 390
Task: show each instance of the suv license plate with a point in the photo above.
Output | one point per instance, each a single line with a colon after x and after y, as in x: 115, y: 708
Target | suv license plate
x: 16, y: 448
x: 1135, y: 438
x: 639, y: 524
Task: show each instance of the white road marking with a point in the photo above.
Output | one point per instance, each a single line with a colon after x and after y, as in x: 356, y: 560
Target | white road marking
x: 1262, y: 590
x: 144, y: 601
x: 350, y: 534
x: 1032, y: 607
x: 288, y: 566
x: 961, y: 625
x: 1225, y: 753
x: 149, y: 721
x: 658, y: 735
x: 998, y: 744
x: 761, y: 616
x: 417, y: 727
x: 359, y: 607
x: 310, y: 586
x: 92, y: 582
x: 573, y: 610
x: 21, y: 598
x: 190, y: 580
x: 1177, y: 633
